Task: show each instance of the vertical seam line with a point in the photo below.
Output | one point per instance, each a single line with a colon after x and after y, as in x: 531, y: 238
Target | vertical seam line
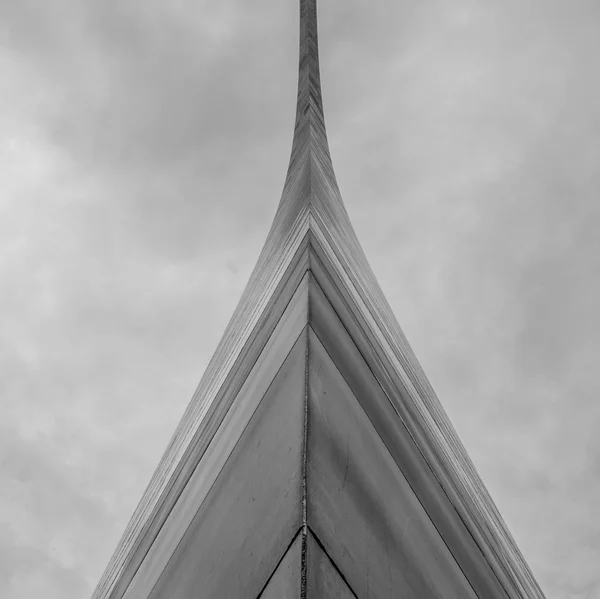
x: 304, y: 564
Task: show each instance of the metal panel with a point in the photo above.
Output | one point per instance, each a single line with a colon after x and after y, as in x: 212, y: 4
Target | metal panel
x: 348, y: 347
x: 286, y: 581
x: 323, y: 581
x: 361, y: 506
x: 253, y: 510
x: 290, y: 326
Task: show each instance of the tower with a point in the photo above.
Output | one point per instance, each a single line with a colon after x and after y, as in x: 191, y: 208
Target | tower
x: 314, y: 459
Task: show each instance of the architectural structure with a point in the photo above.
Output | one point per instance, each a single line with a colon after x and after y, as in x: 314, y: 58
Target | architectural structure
x: 315, y: 460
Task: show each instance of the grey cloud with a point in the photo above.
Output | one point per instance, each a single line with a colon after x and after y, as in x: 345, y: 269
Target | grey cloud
x: 28, y: 571
x: 155, y: 142
x: 143, y: 87
x: 48, y: 510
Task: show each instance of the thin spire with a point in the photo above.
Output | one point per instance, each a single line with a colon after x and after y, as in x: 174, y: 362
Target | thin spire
x: 310, y: 136
x: 309, y: 108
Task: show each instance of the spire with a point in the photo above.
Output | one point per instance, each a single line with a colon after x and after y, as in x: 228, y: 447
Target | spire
x: 309, y: 80
x: 310, y: 144
x: 309, y: 129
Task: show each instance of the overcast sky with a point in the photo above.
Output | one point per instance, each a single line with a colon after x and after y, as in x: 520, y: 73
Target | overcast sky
x: 143, y: 148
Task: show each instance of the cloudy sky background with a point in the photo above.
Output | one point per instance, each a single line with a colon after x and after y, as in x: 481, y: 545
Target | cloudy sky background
x: 143, y: 148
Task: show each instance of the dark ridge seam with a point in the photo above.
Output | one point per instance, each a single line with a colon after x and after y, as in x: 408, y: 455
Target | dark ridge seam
x: 279, y: 563
x: 341, y: 575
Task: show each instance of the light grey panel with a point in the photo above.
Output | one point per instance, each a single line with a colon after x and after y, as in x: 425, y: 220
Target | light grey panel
x: 361, y: 506
x: 285, y: 583
x: 323, y: 581
x: 253, y: 510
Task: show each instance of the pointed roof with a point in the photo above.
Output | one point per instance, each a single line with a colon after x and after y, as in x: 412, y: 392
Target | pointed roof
x: 312, y: 252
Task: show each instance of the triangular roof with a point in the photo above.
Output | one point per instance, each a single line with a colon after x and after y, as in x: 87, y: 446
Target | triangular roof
x: 315, y: 458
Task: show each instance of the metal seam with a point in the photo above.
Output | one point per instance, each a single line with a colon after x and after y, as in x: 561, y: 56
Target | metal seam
x: 304, y: 564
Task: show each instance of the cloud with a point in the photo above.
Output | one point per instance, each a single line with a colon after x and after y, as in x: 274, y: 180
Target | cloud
x: 146, y: 146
